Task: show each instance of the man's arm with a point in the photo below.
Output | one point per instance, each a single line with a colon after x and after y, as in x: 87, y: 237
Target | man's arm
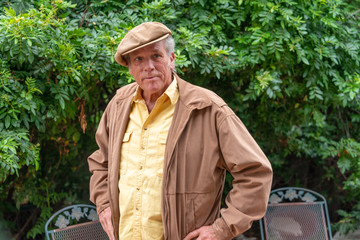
x: 252, y: 173
x: 98, y: 166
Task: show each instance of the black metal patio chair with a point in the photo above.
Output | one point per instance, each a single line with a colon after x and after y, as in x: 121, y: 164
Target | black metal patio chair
x: 75, y: 222
x: 296, y: 214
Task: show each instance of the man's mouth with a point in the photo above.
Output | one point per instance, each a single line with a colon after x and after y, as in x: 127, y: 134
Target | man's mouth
x: 149, y: 78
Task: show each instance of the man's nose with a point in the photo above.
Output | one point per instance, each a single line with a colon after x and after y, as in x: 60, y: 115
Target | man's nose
x: 149, y: 65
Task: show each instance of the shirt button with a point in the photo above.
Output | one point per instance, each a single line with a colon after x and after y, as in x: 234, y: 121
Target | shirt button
x: 141, y: 167
x: 138, y: 189
x: 145, y: 129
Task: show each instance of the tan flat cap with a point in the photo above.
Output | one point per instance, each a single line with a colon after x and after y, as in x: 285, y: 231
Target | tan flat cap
x: 141, y: 36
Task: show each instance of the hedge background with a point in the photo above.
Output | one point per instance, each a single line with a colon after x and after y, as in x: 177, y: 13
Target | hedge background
x: 289, y: 69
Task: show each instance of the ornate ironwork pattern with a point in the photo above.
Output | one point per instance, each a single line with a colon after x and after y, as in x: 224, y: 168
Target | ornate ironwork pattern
x: 291, y: 195
x: 77, y: 213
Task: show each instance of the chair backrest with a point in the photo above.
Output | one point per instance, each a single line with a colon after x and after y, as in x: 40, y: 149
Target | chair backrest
x: 296, y: 214
x: 78, y: 222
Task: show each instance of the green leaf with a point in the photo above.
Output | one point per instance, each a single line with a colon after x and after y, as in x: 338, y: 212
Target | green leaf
x: 31, y: 58
x: 304, y: 60
x: 7, y: 121
x: 344, y: 164
x: 21, y: 58
x: 62, y: 102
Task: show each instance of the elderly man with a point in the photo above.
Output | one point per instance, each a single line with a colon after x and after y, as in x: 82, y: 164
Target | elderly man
x: 164, y: 148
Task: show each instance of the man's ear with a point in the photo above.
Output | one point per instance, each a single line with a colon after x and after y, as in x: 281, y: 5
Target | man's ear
x: 172, y: 61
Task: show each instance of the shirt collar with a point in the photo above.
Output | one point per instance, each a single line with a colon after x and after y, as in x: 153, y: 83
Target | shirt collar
x: 172, y: 92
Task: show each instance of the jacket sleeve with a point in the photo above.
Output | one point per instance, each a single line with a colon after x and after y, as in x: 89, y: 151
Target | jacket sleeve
x: 98, y: 166
x: 252, y: 173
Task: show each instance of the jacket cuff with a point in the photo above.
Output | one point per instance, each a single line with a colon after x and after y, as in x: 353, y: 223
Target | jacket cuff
x: 101, y: 208
x: 221, y: 229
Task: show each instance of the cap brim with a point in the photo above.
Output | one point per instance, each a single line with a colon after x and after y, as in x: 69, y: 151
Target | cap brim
x: 119, y: 58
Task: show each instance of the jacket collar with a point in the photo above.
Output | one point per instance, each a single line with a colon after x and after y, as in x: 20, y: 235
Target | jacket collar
x: 125, y: 93
x: 190, y: 95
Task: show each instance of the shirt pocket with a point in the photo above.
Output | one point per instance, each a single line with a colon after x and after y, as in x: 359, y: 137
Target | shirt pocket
x: 125, y: 148
x: 162, y: 143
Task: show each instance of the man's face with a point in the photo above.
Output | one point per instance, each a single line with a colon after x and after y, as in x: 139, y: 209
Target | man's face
x: 151, y: 68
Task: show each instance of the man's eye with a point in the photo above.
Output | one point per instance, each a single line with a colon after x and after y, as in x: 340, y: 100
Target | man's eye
x: 138, y: 59
x: 157, y: 56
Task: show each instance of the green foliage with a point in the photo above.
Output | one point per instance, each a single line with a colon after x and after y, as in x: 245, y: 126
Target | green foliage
x: 16, y: 151
x: 349, y: 221
x: 19, y: 107
x: 289, y: 69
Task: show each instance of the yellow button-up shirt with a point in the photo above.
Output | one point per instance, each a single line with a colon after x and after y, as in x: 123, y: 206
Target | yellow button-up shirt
x: 141, y: 167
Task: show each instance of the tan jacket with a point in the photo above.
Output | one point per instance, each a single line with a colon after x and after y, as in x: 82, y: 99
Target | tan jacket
x: 205, y: 139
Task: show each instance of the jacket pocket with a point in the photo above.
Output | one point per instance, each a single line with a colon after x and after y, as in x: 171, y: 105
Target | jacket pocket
x: 190, y: 223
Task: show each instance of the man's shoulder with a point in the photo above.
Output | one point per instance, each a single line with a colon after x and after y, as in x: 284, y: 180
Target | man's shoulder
x: 126, y: 91
x: 122, y: 94
x: 194, y: 94
x: 216, y: 99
